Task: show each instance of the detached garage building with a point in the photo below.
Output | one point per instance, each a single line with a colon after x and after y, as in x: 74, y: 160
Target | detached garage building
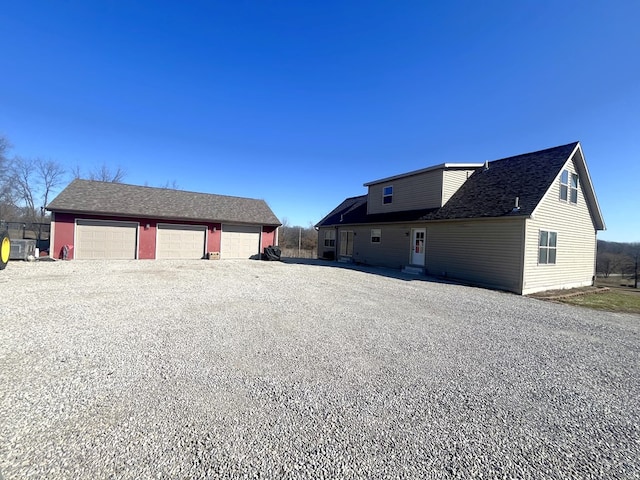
x: 98, y: 220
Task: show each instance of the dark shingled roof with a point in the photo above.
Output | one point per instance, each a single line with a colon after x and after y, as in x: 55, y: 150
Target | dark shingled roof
x: 354, y: 210
x: 106, y: 198
x: 488, y: 192
x: 492, y: 192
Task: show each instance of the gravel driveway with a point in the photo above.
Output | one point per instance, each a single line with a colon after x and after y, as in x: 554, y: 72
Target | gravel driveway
x: 246, y: 369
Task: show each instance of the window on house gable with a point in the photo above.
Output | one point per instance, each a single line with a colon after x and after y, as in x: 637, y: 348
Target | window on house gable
x: 376, y: 235
x: 330, y: 238
x: 547, y: 247
x: 387, y: 195
x: 569, y: 187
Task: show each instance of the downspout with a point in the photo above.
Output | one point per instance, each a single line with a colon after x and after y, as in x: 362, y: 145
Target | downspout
x: 595, y: 260
x: 523, y: 256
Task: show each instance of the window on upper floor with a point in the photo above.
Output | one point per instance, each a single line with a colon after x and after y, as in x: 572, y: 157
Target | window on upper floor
x: 547, y: 247
x: 569, y: 187
x: 330, y: 238
x: 387, y: 194
x: 376, y: 235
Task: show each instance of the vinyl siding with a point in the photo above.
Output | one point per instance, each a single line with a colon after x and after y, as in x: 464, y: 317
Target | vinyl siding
x: 392, y: 251
x: 483, y: 252
x: 576, y: 242
x: 452, y: 181
x: 423, y: 190
x: 322, y: 250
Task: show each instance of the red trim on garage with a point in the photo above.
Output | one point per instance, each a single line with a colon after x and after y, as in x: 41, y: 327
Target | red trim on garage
x: 63, y: 231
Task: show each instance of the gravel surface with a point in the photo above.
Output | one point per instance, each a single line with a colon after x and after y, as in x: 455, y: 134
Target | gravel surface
x: 246, y: 369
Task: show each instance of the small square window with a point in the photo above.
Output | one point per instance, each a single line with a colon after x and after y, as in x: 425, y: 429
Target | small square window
x: 376, y: 235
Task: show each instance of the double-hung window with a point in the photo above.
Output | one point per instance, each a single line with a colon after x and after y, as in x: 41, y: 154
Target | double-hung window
x: 569, y: 187
x: 330, y: 238
x: 547, y: 247
x: 376, y: 235
x: 387, y: 194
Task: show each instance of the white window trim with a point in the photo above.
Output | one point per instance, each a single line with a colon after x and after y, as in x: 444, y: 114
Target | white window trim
x: 379, y: 236
x: 385, y: 196
x: 547, y: 247
x: 568, y: 186
x: 330, y: 235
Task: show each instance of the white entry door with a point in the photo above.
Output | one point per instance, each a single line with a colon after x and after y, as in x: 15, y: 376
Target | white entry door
x: 417, y: 246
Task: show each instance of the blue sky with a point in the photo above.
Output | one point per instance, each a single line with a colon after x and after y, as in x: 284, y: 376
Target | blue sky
x: 300, y: 103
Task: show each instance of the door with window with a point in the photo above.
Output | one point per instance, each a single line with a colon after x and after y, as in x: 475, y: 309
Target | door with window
x: 418, y: 236
x: 346, y: 243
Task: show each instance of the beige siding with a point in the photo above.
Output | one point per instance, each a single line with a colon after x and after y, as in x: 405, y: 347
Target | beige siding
x: 423, y: 190
x: 576, y: 242
x: 392, y: 251
x: 484, y: 252
x: 452, y: 181
x: 326, y: 252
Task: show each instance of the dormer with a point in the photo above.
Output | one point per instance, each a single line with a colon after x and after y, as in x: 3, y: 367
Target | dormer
x: 427, y: 188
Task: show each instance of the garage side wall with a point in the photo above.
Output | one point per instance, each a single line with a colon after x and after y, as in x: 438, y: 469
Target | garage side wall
x: 62, y: 232
x: 268, y: 237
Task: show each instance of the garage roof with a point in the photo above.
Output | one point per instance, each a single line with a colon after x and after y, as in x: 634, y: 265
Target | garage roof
x: 107, y: 198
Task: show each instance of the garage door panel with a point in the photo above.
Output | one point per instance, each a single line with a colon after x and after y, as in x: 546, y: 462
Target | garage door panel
x: 181, y: 241
x: 239, y: 241
x: 106, y: 240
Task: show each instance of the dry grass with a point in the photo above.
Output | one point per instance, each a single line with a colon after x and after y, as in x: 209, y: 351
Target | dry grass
x: 613, y: 294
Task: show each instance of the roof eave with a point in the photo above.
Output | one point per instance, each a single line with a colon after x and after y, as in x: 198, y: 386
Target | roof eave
x: 159, y: 217
x: 442, y: 166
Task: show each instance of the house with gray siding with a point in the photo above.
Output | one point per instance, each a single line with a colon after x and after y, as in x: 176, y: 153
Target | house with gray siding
x: 524, y: 224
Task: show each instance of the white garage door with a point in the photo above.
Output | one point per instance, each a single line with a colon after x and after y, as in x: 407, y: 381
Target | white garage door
x: 239, y: 241
x: 181, y: 241
x: 104, y: 239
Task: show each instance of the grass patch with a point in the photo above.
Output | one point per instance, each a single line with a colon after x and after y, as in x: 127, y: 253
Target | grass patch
x: 612, y: 301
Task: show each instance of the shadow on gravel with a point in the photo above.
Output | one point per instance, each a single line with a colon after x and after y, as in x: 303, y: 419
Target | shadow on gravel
x: 382, y: 271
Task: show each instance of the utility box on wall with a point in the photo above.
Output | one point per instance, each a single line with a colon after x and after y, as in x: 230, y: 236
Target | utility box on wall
x: 214, y: 256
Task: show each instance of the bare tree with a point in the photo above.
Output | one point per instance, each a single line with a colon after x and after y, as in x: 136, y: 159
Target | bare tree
x: 173, y: 185
x: 76, y: 172
x: 33, y: 181
x: 607, y: 263
x: 105, y: 174
x: 7, y: 205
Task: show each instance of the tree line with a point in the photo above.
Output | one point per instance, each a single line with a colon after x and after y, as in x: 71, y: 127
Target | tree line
x: 616, y: 258
x: 297, y: 241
